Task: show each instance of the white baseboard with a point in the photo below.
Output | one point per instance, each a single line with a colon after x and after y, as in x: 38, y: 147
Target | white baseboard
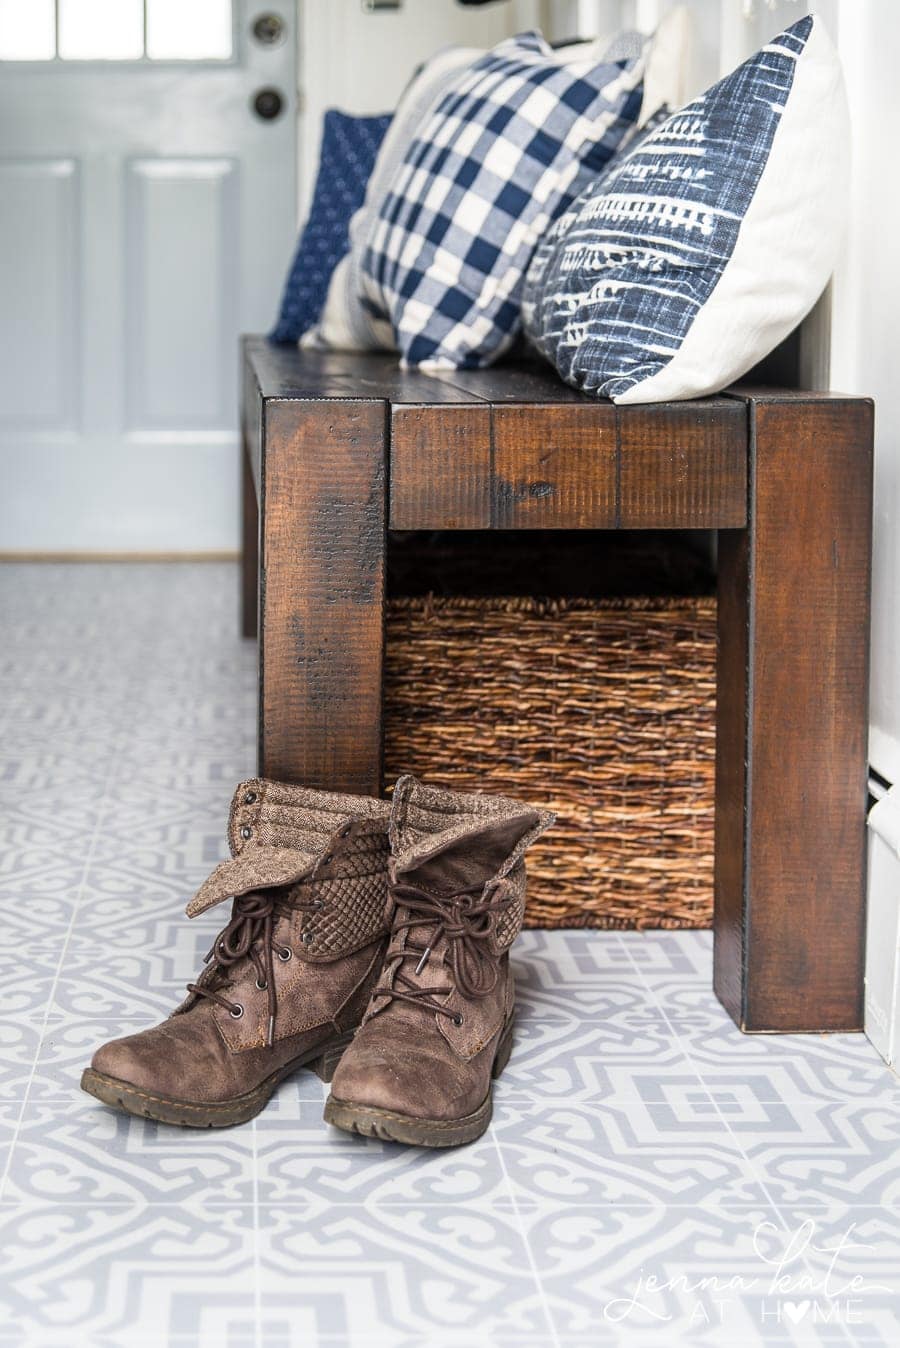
x: 882, y: 1000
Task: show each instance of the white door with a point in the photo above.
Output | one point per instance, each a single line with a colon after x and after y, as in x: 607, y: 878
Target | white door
x: 147, y: 216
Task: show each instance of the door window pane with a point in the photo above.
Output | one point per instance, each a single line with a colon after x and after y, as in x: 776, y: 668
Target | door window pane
x: 104, y: 30
x: 180, y: 32
x: 27, y: 30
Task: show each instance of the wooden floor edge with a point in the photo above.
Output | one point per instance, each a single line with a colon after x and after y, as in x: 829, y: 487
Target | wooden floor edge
x: 221, y: 556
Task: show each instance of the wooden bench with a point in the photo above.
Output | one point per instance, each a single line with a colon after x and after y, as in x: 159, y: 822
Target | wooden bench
x: 341, y: 448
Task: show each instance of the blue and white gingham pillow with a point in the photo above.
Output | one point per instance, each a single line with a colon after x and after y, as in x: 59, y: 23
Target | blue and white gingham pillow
x: 511, y: 143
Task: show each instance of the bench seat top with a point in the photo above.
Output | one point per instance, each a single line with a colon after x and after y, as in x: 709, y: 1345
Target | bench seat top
x: 513, y: 447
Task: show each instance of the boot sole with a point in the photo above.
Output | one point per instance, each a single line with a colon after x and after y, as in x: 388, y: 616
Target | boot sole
x: 413, y: 1132
x: 129, y: 1099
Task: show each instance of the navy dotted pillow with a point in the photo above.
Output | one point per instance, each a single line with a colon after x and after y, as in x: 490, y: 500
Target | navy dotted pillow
x: 347, y: 157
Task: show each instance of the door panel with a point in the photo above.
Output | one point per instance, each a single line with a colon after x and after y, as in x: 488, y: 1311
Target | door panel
x: 39, y: 273
x: 147, y: 216
x: 182, y: 239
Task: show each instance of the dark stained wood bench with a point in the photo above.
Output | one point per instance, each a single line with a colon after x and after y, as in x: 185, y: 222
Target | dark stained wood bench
x: 341, y: 448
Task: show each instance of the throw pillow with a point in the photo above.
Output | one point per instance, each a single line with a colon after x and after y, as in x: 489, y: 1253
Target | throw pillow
x: 706, y: 244
x: 510, y: 143
x: 345, y: 323
x: 349, y: 147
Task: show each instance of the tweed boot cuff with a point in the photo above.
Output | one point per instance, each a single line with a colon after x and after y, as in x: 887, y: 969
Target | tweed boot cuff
x: 429, y: 823
x: 280, y: 834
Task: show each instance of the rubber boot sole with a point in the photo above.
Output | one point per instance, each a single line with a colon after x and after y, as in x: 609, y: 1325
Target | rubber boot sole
x: 130, y: 1099
x: 413, y: 1132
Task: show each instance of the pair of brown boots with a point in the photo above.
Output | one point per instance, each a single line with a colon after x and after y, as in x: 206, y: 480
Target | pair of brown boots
x: 368, y: 941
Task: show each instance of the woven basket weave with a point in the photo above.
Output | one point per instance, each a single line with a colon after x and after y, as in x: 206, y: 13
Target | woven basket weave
x: 603, y: 710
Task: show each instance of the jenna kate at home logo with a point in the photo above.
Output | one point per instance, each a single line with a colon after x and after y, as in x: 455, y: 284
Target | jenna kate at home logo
x: 802, y: 1281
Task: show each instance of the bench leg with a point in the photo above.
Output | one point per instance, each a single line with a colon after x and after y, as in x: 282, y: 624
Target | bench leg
x: 249, y: 548
x: 792, y: 721
x: 323, y: 522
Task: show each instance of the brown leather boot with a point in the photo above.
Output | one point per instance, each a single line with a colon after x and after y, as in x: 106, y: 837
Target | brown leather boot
x: 287, y: 979
x: 439, y: 1025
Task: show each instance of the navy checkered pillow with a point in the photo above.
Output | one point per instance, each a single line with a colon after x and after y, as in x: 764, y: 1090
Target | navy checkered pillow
x: 512, y: 141
x: 349, y: 147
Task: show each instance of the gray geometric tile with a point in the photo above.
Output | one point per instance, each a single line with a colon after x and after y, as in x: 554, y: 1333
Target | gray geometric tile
x: 28, y: 920
x: 128, y: 1275
x: 792, y: 1072
x: 10, y: 1113
x: 565, y: 1060
x: 653, y: 1274
x: 20, y: 1043
x: 813, y: 1151
x: 29, y: 978
x: 716, y: 1275
x: 401, y: 1270
x: 81, y: 1152
x: 573, y: 976
x: 854, y: 1271
x: 125, y: 981
x: 60, y: 824
x: 66, y: 1048
x: 664, y: 954
x: 836, y: 1066
x: 300, y: 1159
x: 673, y: 1151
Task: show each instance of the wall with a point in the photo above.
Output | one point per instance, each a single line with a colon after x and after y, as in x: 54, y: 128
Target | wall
x: 360, y: 62
x: 865, y: 304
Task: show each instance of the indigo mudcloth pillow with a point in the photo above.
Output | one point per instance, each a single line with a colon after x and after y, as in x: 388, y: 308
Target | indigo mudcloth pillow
x: 707, y: 243
x: 510, y: 143
x: 349, y: 147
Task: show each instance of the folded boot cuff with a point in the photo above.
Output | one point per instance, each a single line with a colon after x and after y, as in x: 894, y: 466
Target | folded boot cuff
x: 426, y: 820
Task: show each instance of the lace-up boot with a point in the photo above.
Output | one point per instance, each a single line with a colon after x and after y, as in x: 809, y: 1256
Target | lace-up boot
x: 439, y: 1025
x: 286, y: 980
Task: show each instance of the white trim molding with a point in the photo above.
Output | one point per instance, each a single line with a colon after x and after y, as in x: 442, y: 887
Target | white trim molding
x: 882, y: 1004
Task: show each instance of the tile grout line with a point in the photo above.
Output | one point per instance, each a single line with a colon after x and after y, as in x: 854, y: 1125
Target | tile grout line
x: 542, y: 1295
x: 76, y: 907
x: 764, y: 1188
x: 257, y: 1289
x: 114, y: 1204
x: 689, y: 1058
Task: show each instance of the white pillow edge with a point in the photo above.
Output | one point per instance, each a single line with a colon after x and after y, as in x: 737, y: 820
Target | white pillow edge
x: 787, y: 244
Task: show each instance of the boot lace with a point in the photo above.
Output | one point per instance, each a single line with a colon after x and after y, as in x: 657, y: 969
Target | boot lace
x: 250, y: 934
x: 465, y: 921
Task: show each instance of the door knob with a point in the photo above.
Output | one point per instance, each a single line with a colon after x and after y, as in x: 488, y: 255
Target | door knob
x: 268, y: 29
x: 268, y: 104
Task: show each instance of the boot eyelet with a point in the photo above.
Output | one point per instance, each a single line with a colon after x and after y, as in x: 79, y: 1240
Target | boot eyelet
x: 457, y: 1020
x: 250, y: 798
x: 246, y: 832
x: 318, y: 904
x: 262, y: 986
x: 306, y: 937
x: 285, y: 954
x: 328, y: 857
x: 237, y: 1011
x: 345, y: 831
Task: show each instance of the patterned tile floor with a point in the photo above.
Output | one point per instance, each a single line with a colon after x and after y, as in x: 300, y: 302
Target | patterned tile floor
x: 651, y: 1178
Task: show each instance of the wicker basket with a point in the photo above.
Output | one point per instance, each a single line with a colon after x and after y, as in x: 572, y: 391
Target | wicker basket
x: 603, y: 710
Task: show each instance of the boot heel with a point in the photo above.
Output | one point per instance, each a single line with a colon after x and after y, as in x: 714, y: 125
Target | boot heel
x: 326, y: 1065
x: 504, y: 1049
